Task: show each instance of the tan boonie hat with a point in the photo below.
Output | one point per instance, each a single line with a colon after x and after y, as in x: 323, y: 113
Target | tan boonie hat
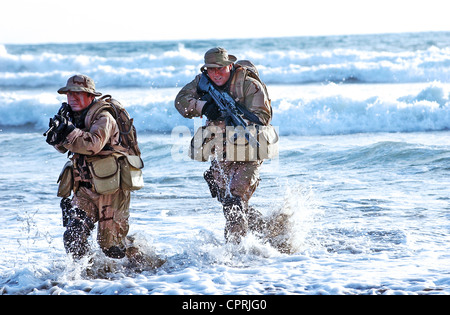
x: 217, y: 58
x: 79, y: 83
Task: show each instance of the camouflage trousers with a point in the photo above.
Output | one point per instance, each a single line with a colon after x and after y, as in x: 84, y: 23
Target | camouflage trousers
x: 233, y: 183
x: 234, y: 179
x: 110, y: 211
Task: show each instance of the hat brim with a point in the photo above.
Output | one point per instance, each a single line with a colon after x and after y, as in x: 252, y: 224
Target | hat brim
x: 66, y: 89
x: 224, y: 63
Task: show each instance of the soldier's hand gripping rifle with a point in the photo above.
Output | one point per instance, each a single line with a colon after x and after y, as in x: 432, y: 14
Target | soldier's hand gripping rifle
x: 64, y: 111
x: 227, y: 106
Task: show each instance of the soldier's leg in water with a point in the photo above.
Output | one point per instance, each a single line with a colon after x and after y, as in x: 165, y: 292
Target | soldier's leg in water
x: 236, y: 225
x: 243, y: 183
x: 210, y: 180
x: 218, y: 183
x: 256, y: 221
x: 234, y: 183
x: 113, y: 223
x: 218, y: 179
x: 78, y: 229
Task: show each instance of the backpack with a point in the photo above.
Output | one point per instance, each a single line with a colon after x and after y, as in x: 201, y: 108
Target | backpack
x: 128, y: 135
x: 130, y: 163
x: 246, y: 68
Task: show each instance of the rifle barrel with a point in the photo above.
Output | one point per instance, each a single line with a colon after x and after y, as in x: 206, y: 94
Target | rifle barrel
x: 48, y: 130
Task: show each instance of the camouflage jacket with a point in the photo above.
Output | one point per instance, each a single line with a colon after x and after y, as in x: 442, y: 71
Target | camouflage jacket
x: 246, y: 90
x: 99, y: 137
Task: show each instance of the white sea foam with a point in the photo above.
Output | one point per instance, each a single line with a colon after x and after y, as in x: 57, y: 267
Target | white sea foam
x: 155, y: 67
x: 301, y: 110
x: 402, y: 80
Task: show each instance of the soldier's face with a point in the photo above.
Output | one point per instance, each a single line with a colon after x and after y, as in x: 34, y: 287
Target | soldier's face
x: 220, y: 76
x: 79, y: 100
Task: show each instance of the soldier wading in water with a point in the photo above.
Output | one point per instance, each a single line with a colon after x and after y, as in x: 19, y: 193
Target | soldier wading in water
x: 104, y: 167
x: 234, y: 173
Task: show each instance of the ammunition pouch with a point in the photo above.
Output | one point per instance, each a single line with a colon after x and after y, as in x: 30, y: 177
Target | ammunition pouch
x: 203, y: 144
x: 268, y: 139
x: 105, y: 174
x: 233, y: 145
x: 116, y: 171
x: 131, y: 172
x: 65, y: 181
x: 239, y: 149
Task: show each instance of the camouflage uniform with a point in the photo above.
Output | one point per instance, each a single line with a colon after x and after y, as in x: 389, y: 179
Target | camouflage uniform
x: 93, y: 137
x: 233, y: 183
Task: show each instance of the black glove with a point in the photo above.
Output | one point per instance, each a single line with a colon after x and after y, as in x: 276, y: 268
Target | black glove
x: 210, y: 108
x: 53, y: 137
x: 61, y: 128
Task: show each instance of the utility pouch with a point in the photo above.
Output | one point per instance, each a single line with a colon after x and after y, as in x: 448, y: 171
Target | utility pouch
x: 105, y: 174
x: 65, y: 181
x: 131, y: 172
x: 239, y: 149
x: 206, y: 141
x: 268, y: 142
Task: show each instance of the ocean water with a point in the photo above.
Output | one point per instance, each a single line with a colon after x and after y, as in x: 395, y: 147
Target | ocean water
x: 363, y: 170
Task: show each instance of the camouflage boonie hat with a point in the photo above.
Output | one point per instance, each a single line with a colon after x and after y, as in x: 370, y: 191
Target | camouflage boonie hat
x: 79, y: 83
x: 217, y: 58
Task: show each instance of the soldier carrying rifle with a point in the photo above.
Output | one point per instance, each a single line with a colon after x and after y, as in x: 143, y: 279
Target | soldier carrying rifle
x: 88, y: 129
x: 231, y: 95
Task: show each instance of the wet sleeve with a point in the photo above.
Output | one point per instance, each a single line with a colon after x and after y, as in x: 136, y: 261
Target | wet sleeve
x: 188, y: 102
x: 91, y: 142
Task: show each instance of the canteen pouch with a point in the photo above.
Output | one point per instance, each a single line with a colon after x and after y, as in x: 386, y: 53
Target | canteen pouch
x: 65, y: 181
x: 239, y: 149
x: 105, y: 174
x: 131, y: 177
x: 205, y: 143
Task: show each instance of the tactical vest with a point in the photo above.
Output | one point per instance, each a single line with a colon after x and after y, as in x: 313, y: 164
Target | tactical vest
x: 115, y: 166
x: 202, y: 147
x: 128, y: 135
x: 244, y: 69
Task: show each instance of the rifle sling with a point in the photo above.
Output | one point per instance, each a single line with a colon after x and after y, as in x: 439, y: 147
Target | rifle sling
x: 249, y: 115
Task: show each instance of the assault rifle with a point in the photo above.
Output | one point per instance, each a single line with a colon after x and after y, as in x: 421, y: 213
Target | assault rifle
x: 228, y: 107
x: 64, y: 111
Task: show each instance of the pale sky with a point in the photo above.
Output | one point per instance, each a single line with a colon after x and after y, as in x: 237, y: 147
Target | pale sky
x: 50, y: 21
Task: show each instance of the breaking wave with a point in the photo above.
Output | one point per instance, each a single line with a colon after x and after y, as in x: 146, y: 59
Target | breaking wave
x: 287, y: 61
x: 149, y: 74
x: 429, y: 110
